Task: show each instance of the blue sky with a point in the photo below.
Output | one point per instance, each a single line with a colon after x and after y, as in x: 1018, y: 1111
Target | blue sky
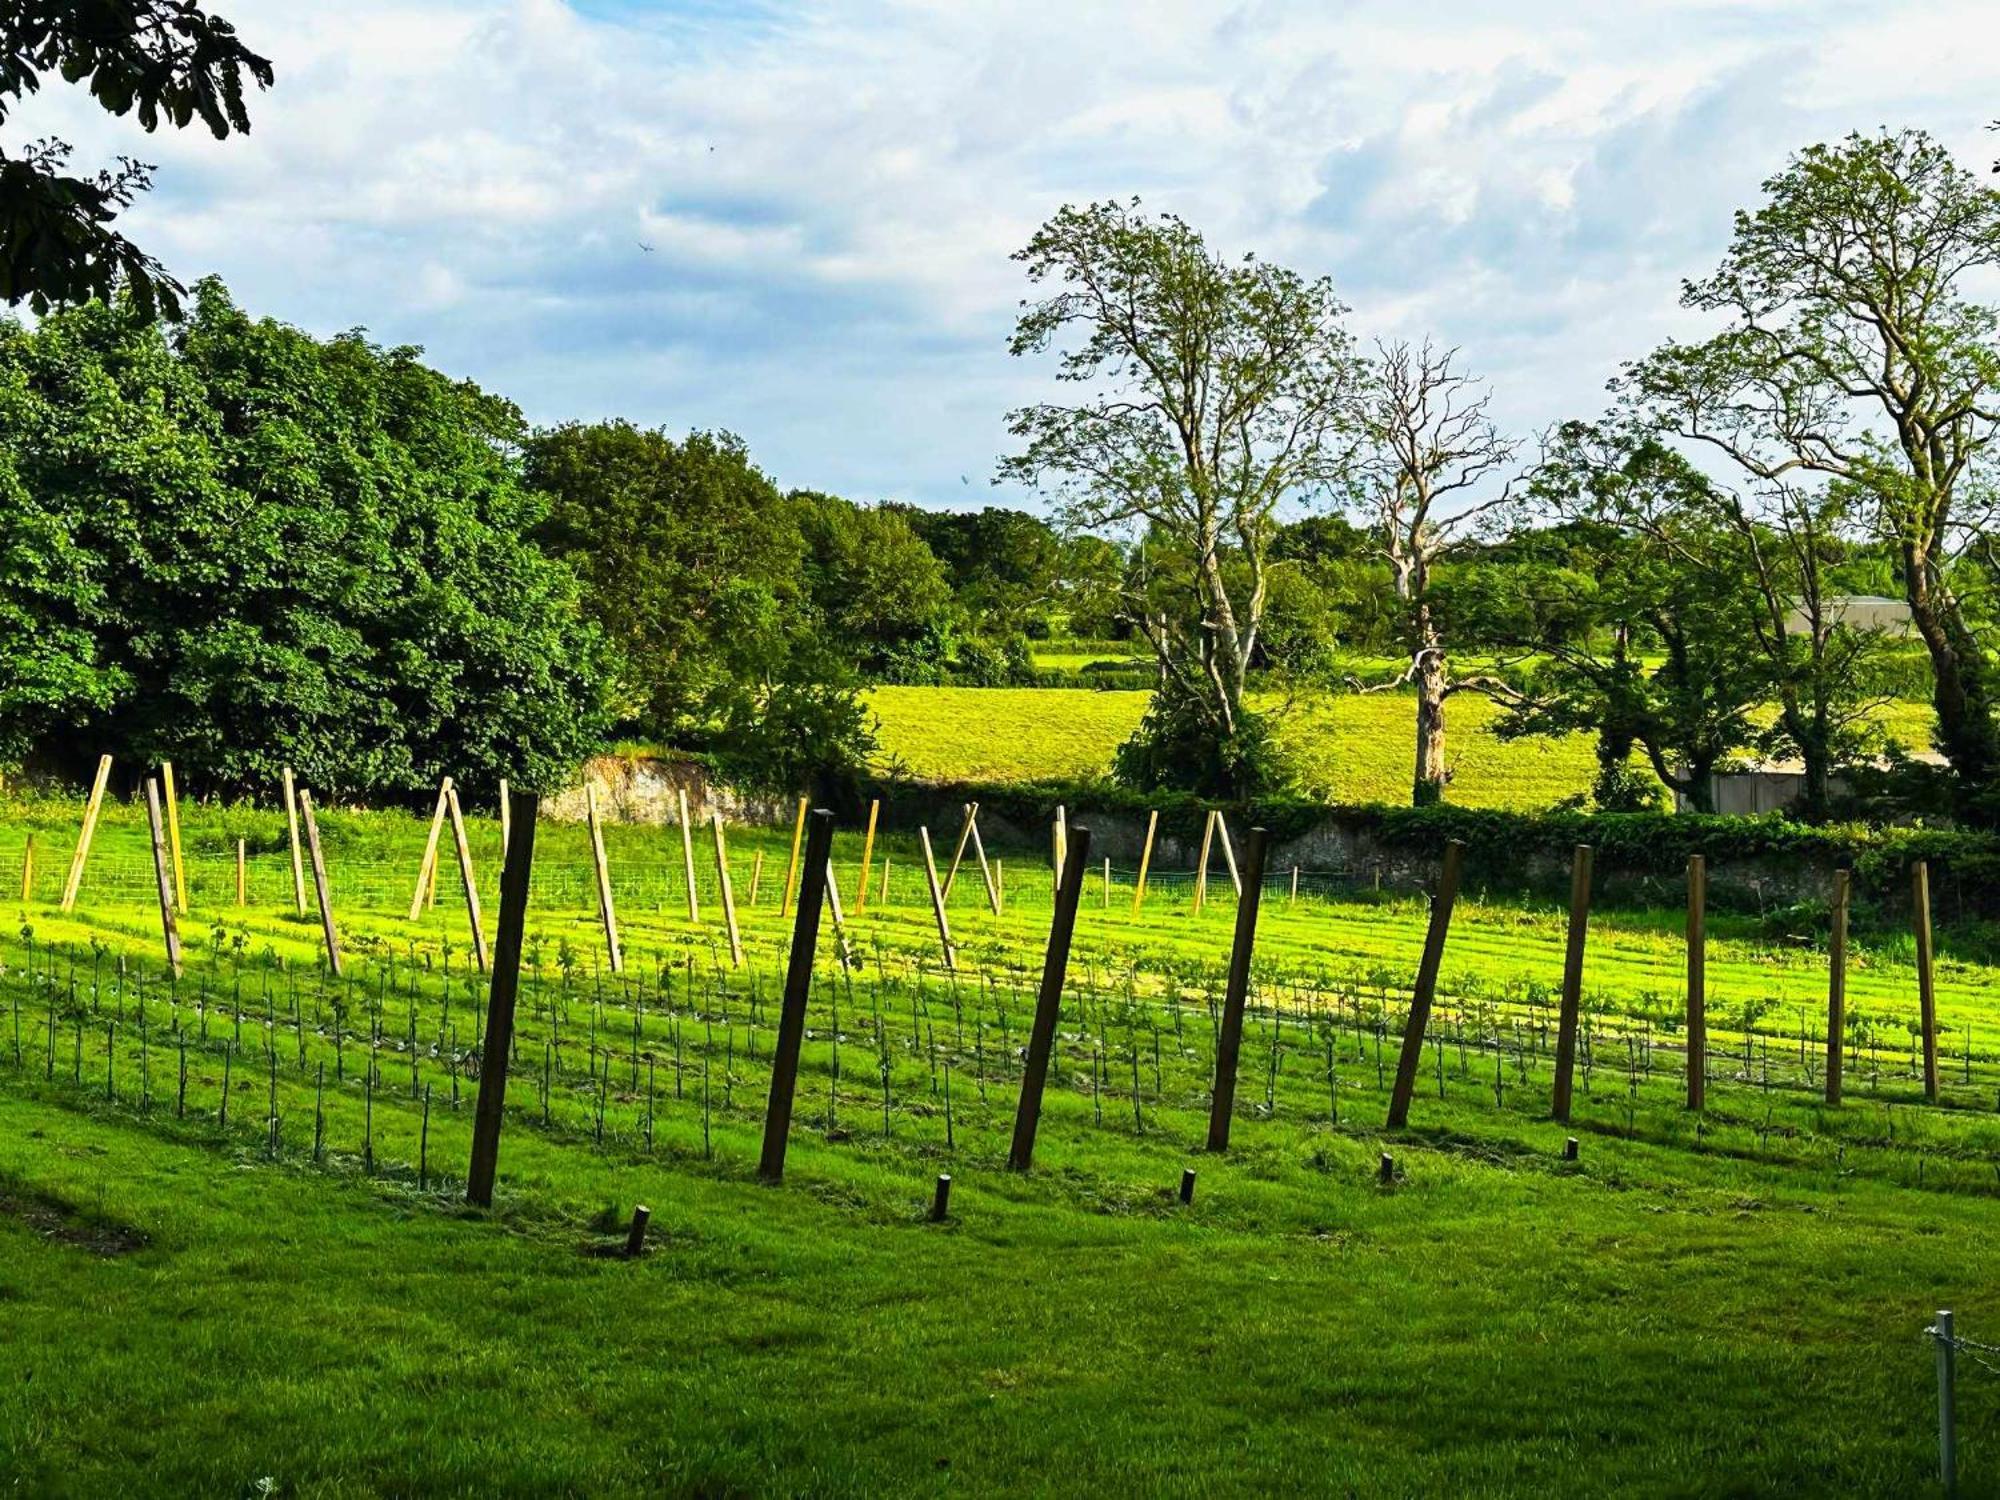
x: 831, y: 192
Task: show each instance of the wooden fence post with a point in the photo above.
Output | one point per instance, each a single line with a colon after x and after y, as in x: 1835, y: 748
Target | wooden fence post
x: 1572, y: 980
x: 162, y: 878
x: 1061, y: 852
x: 798, y: 989
x: 1836, y: 985
x: 792, y: 869
x: 1920, y: 915
x: 687, y: 857
x: 606, y: 909
x: 242, y: 875
x: 1201, y: 863
x: 1697, y: 983
x: 728, y: 892
x: 28, y: 868
x: 173, y: 804
x: 756, y: 873
x: 428, y: 866
x: 1229, y: 1040
x: 503, y: 987
x: 937, y: 900
x: 298, y: 862
x: 867, y: 857
x: 839, y: 918
x: 470, y: 881
x: 1145, y: 861
x: 1048, y: 1002
x: 958, y: 853
x: 319, y: 883
x: 93, y: 805
x: 985, y: 870
x: 1228, y: 851
x: 1425, y: 989
x: 506, y: 822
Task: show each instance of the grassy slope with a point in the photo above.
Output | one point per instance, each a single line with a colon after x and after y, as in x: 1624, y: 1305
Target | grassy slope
x: 1737, y: 1317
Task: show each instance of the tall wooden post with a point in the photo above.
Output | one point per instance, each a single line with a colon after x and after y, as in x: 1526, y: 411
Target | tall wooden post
x: 606, y: 909
x: 728, y: 893
x: 1572, y: 980
x: 1201, y: 863
x: 1229, y: 1040
x: 1048, y: 1002
x: 428, y: 867
x: 792, y: 869
x: 162, y: 878
x: 1145, y: 861
x: 1836, y: 985
x: 1920, y: 916
x: 468, y: 879
x: 937, y: 900
x: 504, y: 986
x: 867, y: 857
x: 1697, y: 983
x: 798, y: 989
x: 173, y: 804
x: 91, y: 807
x: 298, y: 862
x: 319, y: 883
x: 1425, y: 989
x: 687, y: 857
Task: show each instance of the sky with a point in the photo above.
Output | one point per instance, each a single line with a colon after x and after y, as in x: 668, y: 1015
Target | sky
x: 794, y: 221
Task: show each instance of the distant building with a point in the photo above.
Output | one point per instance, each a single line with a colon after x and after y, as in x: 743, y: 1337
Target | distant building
x: 1773, y: 786
x: 1877, y: 612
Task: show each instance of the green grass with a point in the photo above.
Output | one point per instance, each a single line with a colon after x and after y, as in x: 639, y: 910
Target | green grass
x: 1351, y: 748
x: 1728, y: 1306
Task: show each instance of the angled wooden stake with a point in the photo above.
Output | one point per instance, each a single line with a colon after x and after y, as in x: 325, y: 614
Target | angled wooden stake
x: 756, y: 873
x: 1228, y: 852
x: 985, y: 870
x: 91, y: 808
x: 1048, y: 1004
x: 1145, y: 862
x: 497, y: 1044
x: 1920, y: 915
x: 604, y: 904
x: 470, y: 882
x: 298, y: 862
x: 28, y: 868
x: 728, y: 893
x: 792, y: 869
x: 792, y: 1012
x: 1229, y: 1038
x: 506, y: 821
x: 958, y: 854
x: 1836, y: 986
x: 1061, y: 845
x: 319, y: 884
x: 1697, y: 983
x: 1201, y: 864
x: 839, y: 920
x: 1425, y: 989
x: 867, y: 857
x: 1572, y: 981
x: 428, y: 867
x: 162, y: 877
x: 687, y: 858
x: 937, y: 900
x: 173, y: 802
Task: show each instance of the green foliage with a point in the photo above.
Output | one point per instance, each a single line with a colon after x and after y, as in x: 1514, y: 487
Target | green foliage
x: 1179, y: 746
x: 238, y: 547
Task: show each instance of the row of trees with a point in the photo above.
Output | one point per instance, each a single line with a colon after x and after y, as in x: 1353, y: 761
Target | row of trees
x: 1661, y: 570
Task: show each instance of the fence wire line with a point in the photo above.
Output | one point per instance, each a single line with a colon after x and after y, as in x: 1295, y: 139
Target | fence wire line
x: 1973, y: 1349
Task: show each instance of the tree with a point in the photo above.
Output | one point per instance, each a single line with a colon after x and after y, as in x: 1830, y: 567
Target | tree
x: 1432, y: 455
x: 1212, y: 393
x: 227, y: 543
x: 873, y: 582
x: 156, y: 58
x: 1854, y: 353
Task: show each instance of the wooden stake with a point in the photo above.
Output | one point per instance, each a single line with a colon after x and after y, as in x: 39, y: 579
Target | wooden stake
x: 1145, y: 861
x: 1572, y: 980
x: 958, y: 854
x: 1425, y: 989
x: 91, y: 807
x: 985, y: 870
x: 937, y: 900
x: 174, y: 835
x: 756, y: 873
x: 1061, y: 846
x: 1048, y: 1004
x: 1228, y: 852
x: 1201, y: 864
x: 1229, y: 1039
x: 28, y: 868
x: 466, y: 876
x: 298, y: 863
x: 1920, y: 915
x: 867, y: 857
x: 163, y: 877
x: 506, y: 822
x: 798, y: 989
x: 242, y: 875
x: 427, y: 867
x: 319, y: 883
x: 505, y: 984
x: 728, y: 895
x: 839, y: 920
x: 1293, y: 898
x: 605, y: 907
x: 792, y: 869
x: 1107, y: 883
x: 687, y: 858
x: 1836, y: 986
x: 1697, y: 983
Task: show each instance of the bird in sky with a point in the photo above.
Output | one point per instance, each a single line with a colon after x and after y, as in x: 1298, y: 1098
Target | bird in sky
x: 645, y: 247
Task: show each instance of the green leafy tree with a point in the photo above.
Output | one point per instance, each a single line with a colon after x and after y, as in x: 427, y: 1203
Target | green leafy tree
x: 154, y: 59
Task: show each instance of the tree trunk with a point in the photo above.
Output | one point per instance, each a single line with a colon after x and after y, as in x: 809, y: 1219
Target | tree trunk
x: 1960, y: 692
x: 1428, y: 786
